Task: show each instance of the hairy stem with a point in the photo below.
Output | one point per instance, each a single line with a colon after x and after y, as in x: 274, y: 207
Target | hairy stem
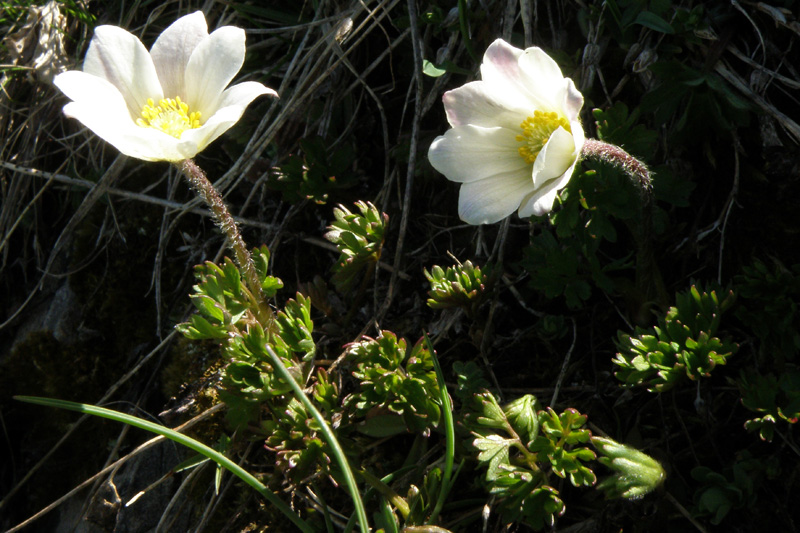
x: 201, y: 185
x: 649, y: 282
x: 617, y: 157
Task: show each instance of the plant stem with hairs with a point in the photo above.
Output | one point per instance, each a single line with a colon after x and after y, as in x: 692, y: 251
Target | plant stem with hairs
x: 201, y: 185
x: 649, y: 282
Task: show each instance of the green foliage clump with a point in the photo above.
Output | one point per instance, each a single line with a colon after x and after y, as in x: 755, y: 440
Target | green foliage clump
x: 514, y: 472
x: 250, y: 373
x: 557, y: 269
x: 775, y: 398
x: 462, y: 285
x: 229, y: 313
x: 718, y: 494
x: 400, y: 386
x: 223, y: 299
x: 768, y: 303
x: 256, y: 395
x: 683, y: 345
x: 359, y: 238
x: 293, y: 435
x: 559, y: 434
x: 521, y: 446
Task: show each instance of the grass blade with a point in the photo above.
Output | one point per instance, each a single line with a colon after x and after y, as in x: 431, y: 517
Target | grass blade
x: 180, y: 438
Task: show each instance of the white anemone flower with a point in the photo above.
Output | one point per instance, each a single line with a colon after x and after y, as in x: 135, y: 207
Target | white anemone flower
x: 167, y: 104
x: 516, y: 135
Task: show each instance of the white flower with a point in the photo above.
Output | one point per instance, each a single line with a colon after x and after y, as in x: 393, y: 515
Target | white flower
x: 167, y: 104
x: 515, y: 138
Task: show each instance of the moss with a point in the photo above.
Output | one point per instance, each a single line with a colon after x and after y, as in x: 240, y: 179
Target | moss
x: 42, y: 366
x: 189, y: 363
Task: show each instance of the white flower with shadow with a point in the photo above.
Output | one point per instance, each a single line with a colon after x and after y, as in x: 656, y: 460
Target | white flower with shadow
x: 167, y: 104
x: 515, y: 138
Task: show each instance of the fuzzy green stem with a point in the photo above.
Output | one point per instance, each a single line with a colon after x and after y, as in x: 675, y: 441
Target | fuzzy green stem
x: 202, y: 186
x: 649, y: 282
x: 619, y: 158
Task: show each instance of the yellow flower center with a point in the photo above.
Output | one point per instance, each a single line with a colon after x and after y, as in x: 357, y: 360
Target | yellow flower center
x: 170, y: 116
x: 536, y: 131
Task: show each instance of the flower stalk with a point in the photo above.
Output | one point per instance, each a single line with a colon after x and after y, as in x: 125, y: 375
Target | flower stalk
x: 202, y: 186
x: 649, y: 282
x: 619, y: 158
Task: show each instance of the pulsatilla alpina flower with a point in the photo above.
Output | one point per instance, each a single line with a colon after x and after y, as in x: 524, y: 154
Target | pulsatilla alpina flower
x: 163, y: 105
x: 515, y: 138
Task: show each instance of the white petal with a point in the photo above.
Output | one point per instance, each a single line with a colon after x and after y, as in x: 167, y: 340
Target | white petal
x: 541, y: 200
x: 186, y: 149
x: 119, y: 57
x: 147, y: 144
x: 213, y: 64
x: 99, y: 106
x: 492, y: 199
x: 578, y: 137
x: 232, y: 105
x: 500, y: 62
x: 520, y: 86
x: 555, y: 158
x: 218, y: 124
x: 156, y: 145
x: 86, y: 88
x: 470, y: 153
x: 572, y: 101
x: 501, y: 73
x: 474, y: 104
x: 542, y: 76
x: 243, y: 93
x: 174, y: 47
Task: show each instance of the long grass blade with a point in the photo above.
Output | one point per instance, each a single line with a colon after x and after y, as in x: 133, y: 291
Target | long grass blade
x: 333, y: 442
x: 180, y: 438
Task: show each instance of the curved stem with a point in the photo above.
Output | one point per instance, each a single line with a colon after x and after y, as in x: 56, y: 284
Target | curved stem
x: 648, y: 277
x: 619, y: 158
x: 202, y: 186
x: 449, y: 431
x: 330, y: 437
x: 180, y: 438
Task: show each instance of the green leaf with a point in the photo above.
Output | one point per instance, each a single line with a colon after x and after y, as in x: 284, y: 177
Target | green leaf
x: 359, y: 238
x: 650, y: 20
x: 199, y: 328
x: 429, y: 69
x: 522, y: 415
x: 494, y: 451
x: 391, y: 380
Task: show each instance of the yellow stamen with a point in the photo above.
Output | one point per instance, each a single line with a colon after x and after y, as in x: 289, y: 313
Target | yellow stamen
x: 536, y: 131
x: 170, y: 116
